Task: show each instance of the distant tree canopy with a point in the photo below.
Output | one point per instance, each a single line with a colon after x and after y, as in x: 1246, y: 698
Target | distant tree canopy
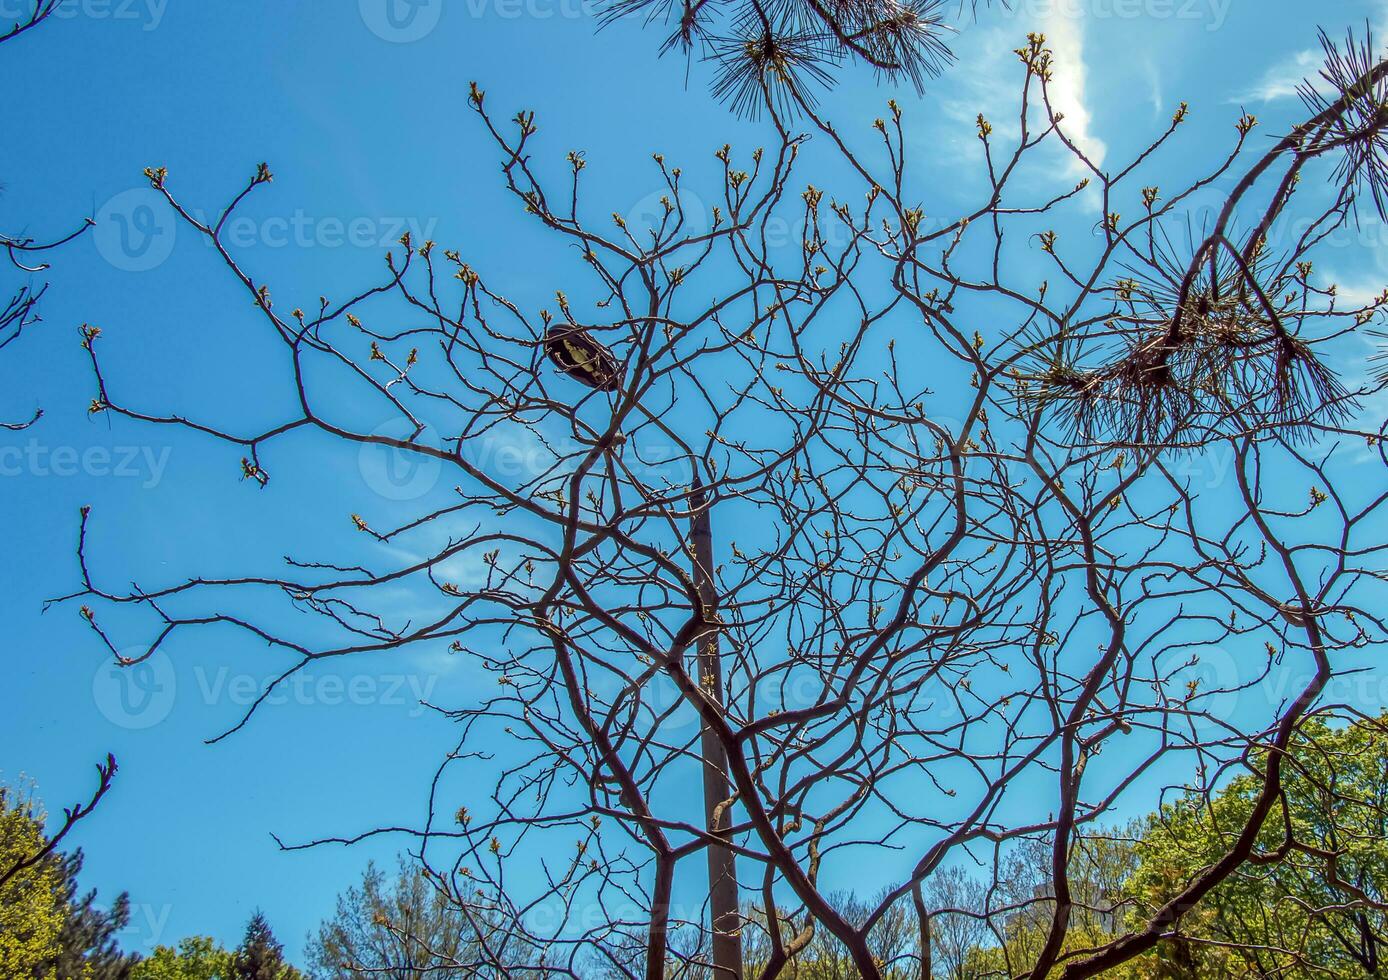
x: 1312, y: 903
x: 47, y: 929
x: 259, y: 957
x: 403, y: 925
x: 32, y: 908
x: 88, y: 946
x: 51, y: 930
x: 195, y: 958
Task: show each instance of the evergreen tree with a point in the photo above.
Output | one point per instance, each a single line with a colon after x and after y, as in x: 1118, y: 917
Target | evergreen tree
x: 87, y: 945
x: 260, y: 955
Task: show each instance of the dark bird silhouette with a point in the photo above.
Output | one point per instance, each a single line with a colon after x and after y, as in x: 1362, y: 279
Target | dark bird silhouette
x: 581, y: 357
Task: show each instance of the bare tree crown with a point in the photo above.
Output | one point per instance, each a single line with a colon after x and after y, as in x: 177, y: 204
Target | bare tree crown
x: 961, y: 578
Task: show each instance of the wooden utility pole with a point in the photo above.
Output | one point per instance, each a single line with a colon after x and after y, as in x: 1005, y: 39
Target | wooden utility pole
x: 724, y: 914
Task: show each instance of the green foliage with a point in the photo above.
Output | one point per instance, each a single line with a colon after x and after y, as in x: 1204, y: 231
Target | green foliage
x: 1312, y: 901
x: 48, y: 931
x: 88, y: 946
x: 260, y: 955
x: 33, y: 904
x: 196, y: 958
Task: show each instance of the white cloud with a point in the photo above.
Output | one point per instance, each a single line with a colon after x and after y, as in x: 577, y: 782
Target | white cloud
x: 1154, y: 83
x: 1357, y: 293
x: 1360, y: 370
x: 992, y: 86
x: 1065, y: 37
x: 1283, y: 79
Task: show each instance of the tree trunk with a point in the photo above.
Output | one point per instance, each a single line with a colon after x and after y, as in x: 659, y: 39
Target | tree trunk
x: 722, y: 868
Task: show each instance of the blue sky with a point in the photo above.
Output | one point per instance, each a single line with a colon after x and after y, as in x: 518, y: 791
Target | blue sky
x: 366, y: 128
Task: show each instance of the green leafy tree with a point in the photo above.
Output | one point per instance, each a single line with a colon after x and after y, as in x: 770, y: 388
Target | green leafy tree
x: 196, y: 958
x: 1311, y: 902
x: 33, y: 907
x: 85, y: 946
